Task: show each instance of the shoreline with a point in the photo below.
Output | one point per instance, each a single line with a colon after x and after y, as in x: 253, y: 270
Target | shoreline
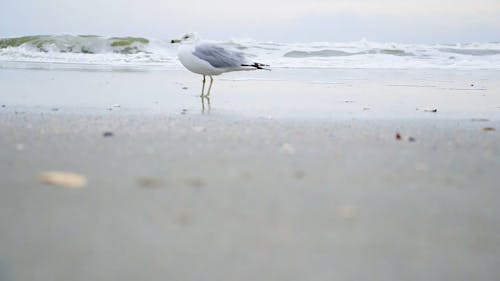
x: 290, y: 94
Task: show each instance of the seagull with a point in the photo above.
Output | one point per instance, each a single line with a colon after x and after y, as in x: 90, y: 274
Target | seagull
x: 210, y: 59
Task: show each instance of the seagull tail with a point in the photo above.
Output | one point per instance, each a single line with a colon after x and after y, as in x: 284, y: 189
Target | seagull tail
x: 257, y: 65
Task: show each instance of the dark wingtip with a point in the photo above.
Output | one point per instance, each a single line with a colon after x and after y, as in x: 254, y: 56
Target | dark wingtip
x: 258, y: 65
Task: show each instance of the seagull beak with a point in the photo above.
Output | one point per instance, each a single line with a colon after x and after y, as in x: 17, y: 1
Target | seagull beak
x: 175, y: 41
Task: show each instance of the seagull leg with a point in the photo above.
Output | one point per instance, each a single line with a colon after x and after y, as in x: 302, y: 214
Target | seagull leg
x: 210, y: 86
x: 203, y: 87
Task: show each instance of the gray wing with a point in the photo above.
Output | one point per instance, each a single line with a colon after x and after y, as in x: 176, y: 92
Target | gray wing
x: 219, y: 57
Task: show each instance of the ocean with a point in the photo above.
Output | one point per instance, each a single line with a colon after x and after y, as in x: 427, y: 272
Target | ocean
x: 91, y: 51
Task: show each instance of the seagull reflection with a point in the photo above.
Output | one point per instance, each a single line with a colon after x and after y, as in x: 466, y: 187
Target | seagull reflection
x: 205, y: 109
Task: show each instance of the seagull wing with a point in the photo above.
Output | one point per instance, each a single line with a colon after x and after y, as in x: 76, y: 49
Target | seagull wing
x: 218, y: 56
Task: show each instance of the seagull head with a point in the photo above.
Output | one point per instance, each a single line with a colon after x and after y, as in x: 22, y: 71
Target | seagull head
x: 186, y: 38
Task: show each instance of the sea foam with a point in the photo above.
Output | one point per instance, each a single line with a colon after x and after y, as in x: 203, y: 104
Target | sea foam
x: 146, y: 52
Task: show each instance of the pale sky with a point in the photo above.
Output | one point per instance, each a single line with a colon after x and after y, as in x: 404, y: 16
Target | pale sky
x: 419, y: 21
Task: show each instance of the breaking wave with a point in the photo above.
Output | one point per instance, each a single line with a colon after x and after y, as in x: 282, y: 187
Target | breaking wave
x: 81, y: 44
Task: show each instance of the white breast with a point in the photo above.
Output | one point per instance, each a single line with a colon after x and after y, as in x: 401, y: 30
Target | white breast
x: 193, y: 63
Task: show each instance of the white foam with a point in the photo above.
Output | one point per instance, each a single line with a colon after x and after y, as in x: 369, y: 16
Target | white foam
x: 64, y: 49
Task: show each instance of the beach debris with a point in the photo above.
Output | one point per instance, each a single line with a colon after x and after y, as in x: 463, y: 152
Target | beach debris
x: 149, y: 182
x: 3, y: 105
x: 348, y: 211
x: 198, y: 129
x: 399, y: 137
x: 489, y: 129
x: 183, y: 111
x: 107, y: 134
x: 195, y: 182
x: 19, y: 147
x: 479, y: 120
x: 63, y: 179
x: 185, y: 88
x: 434, y: 110
x: 287, y: 149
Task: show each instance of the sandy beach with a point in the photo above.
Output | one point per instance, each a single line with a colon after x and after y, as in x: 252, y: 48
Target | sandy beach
x: 294, y: 174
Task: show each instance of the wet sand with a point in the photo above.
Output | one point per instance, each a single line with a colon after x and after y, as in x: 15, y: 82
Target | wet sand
x: 299, y: 177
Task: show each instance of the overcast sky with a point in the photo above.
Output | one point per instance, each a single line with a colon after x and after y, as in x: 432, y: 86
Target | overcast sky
x: 420, y: 21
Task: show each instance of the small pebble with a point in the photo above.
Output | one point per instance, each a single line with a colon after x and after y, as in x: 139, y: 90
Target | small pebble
x: 195, y: 182
x: 412, y: 139
x: 348, y: 212
x: 421, y: 167
x: 185, y: 88
x: 299, y: 174
x: 198, y: 129
x: 148, y: 182
x: 184, y: 219
x: 246, y: 175
x: 3, y: 105
x: 287, y: 149
x: 107, y: 134
x: 55, y: 109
